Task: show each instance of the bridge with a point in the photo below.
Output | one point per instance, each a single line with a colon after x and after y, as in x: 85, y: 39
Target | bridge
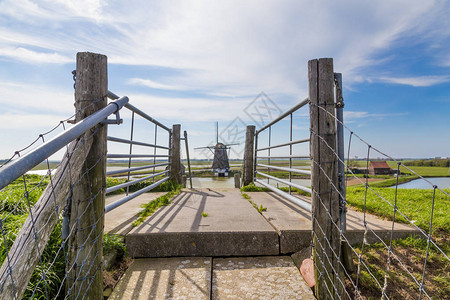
x: 208, y: 243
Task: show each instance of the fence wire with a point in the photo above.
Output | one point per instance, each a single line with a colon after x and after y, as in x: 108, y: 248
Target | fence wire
x: 385, y: 267
x: 37, y: 228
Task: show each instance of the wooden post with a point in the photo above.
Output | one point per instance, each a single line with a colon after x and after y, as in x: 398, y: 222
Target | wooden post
x: 175, y: 161
x: 237, y: 181
x: 324, y: 167
x: 84, y: 266
x: 247, y: 173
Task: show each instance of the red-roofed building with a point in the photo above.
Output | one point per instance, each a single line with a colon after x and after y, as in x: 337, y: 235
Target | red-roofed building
x: 379, y: 168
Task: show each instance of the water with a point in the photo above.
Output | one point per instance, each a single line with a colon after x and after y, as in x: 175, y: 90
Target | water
x: 41, y: 172
x: 228, y: 182
x: 441, y: 182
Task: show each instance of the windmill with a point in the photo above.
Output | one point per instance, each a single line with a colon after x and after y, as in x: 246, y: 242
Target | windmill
x: 220, y: 166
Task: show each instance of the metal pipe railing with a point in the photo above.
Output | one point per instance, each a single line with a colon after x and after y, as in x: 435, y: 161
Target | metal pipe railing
x: 283, y: 157
x: 125, y: 141
x: 129, y: 183
x: 16, y: 168
x: 145, y: 116
x: 299, y: 171
x: 111, y: 95
x: 299, y: 105
x: 120, y: 171
x: 295, y: 200
x: 285, y: 144
x: 134, y: 155
x: 288, y: 183
x: 125, y: 199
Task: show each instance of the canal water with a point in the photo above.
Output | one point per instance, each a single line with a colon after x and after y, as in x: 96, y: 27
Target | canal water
x: 441, y: 182
x: 228, y: 182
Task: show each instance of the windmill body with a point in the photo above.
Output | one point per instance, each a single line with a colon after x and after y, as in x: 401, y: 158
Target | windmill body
x: 221, y: 165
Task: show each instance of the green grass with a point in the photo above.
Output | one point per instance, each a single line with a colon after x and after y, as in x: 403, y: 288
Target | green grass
x: 14, y: 207
x: 415, y: 204
x: 114, y: 242
x: 260, y: 208
x: 253, y: 188
x: 164, y: 200
x: 427, y: 171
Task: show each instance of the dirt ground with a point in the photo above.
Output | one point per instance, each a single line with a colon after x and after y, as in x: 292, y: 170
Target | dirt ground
x: 355, y: 181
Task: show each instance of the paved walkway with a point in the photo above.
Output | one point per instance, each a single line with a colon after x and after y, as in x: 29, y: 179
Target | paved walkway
x: 213, y: 244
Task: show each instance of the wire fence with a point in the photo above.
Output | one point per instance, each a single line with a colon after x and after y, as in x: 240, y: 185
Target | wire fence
x: 51, y: 225
x: 35, y: 233
x: 375, y: 263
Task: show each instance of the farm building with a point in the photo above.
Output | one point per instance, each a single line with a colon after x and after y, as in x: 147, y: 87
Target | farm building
x: 379, y: 168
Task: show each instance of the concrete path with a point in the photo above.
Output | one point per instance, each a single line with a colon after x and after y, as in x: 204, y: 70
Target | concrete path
x: 232, y: 227
x: 293, y: 223
x: 119, y: 220
x: 265, y: 277
x: 233, y: 252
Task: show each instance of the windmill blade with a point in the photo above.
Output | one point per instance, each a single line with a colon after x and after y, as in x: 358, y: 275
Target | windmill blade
x: 207, y: 147
x: 217, y: 133
x: 232, y: 144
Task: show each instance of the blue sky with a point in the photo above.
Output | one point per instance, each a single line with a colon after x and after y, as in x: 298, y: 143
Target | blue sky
x: 197, y: 62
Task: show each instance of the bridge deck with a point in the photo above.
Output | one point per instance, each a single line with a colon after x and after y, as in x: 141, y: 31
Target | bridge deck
x: 234, y: 252
x: 232, y: 228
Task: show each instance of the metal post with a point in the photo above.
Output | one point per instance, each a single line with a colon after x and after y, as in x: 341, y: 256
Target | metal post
x: 268, y: 154
x: 256, y: 156
x: 290, y: 154
x: 84, y: 257
x: 154, y: 150
x: 340, y: 148
x: 131, y: 150
x: 187, y: 156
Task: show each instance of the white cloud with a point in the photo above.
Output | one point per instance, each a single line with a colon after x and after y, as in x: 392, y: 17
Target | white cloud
x: 18, y: 121
x: 351, y: 116
x: 155, y: 85
x: 420, y: 81
x: 28, y: 98
x: 30, y: 56
x: 189, y: 109
x: 237, y: 48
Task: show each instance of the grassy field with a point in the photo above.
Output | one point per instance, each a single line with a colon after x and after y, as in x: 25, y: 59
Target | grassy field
x: 415, y: 205
x: 14, y: 209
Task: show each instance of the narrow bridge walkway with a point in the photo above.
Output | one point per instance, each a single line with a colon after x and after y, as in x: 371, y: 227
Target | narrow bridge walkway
x: 230, y: 251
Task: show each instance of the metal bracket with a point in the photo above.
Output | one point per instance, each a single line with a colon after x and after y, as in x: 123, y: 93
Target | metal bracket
x: 117, y: 121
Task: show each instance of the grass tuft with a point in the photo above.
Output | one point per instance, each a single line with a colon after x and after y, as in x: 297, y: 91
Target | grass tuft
x: 164, y: 200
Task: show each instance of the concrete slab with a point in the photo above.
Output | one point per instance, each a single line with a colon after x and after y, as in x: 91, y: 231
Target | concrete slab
x: 293, y: 223
x: 166, y: 278
x: 119, y: 220
x: 232, y: 228
x: 272, y: 277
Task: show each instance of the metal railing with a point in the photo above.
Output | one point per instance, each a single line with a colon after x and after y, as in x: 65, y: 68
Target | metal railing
x: 139, y: 171
x: 290, y: 158
x: 18, y: 167
x: 51, y: 226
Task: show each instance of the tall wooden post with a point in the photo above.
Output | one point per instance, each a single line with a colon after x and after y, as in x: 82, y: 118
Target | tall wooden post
x: 175, y: 160
x: 247, y: 173
x: 84, y: 266
x: 324, y: 179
